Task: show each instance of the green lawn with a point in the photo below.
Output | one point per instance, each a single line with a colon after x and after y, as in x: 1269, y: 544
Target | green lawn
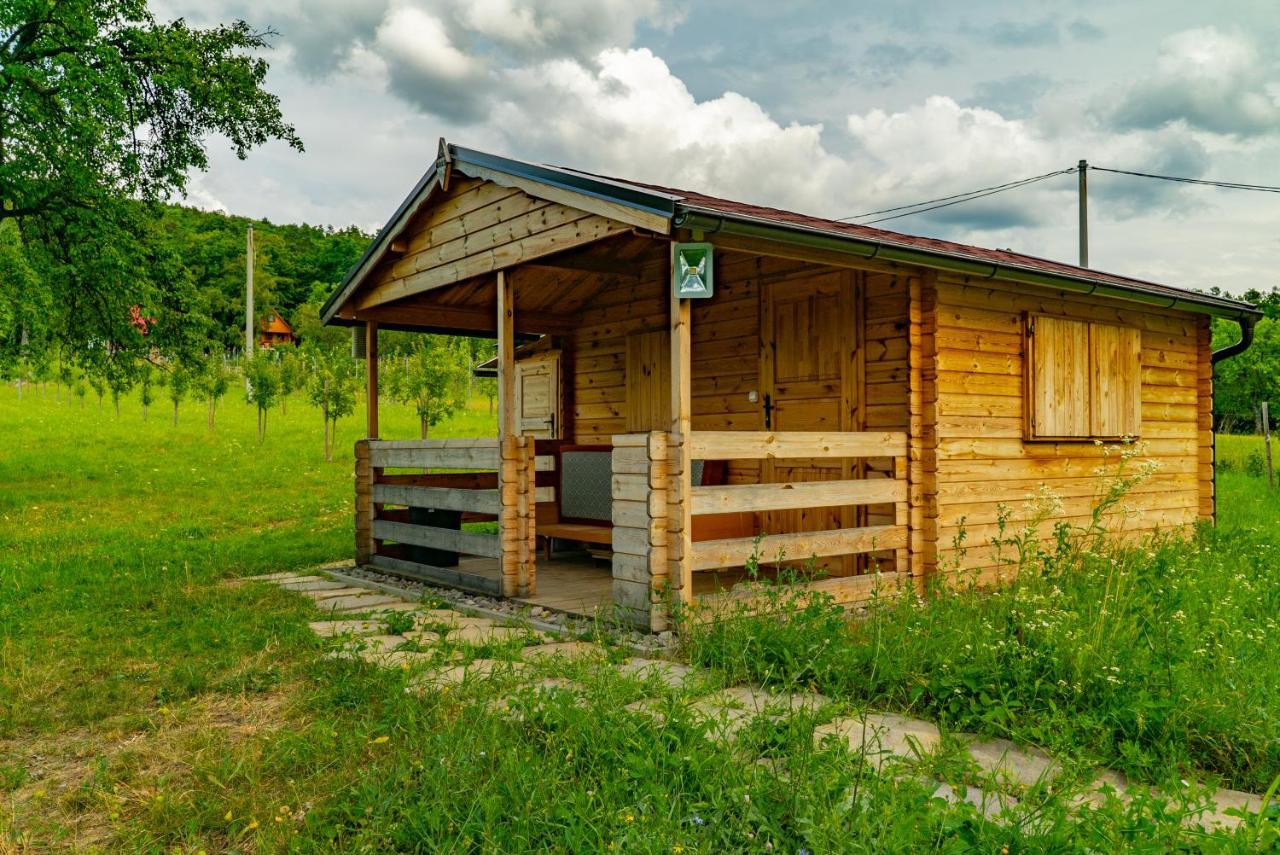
x: 145, y: 705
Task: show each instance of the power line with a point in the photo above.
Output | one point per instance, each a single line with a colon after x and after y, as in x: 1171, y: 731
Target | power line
x: 1228, y: 185
x: 956, y: 199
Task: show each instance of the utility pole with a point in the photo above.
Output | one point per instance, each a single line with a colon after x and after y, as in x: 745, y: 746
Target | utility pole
x: 248, y: 300
x: 1082, y: 171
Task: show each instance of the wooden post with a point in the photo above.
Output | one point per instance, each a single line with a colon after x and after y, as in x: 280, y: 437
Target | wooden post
x: 1266, y: 440
x: 509, y: 528
x: 679, y: 528
x: 371, y: 377
x: 364, y: 503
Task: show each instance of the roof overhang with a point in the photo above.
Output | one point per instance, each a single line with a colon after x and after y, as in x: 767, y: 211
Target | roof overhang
x: 661, y: 212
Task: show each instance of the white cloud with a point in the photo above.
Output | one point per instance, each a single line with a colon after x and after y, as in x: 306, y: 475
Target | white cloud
x: 1208, y: 79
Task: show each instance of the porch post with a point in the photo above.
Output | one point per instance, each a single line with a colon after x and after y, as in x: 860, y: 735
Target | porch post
x: 679, y: 531
x: 922, y: 455
x: 509, y: 473
x: 371, y: 377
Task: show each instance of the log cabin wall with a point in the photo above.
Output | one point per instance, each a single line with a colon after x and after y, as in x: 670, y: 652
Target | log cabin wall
x: 984, y: 460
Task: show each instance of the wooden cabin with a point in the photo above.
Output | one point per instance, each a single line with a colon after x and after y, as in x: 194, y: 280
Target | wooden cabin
x: 818, y: 394
x: 274, y: 330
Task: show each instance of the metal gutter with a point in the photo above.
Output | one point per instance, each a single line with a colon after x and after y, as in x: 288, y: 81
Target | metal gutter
x: 711, y: 221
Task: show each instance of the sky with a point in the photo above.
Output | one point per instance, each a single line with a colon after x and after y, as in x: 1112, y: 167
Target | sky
x: 824, y: 107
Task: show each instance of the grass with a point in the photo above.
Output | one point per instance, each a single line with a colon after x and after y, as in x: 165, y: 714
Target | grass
x: 146, y: 705
x: 1158, y: 660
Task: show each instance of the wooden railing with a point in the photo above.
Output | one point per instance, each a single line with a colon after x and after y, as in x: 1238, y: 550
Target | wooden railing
x: 491, y: 481
x: 760, y: 498
x: 655, y: 554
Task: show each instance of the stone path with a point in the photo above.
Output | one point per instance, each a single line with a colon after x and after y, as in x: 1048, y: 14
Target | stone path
x: 437, y: 644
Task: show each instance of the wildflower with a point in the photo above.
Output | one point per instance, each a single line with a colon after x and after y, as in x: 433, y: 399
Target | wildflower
x: 228, y: 816
x: 253, y: 824
x: 629, y: 818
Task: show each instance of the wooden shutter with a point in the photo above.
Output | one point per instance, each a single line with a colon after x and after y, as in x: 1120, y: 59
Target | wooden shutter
x: 648, y: 381
x: 538, y: 396
x: 1058, y: 378
x: 1115, y: 355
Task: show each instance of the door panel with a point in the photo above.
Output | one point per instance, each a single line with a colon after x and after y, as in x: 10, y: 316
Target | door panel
x: 808, y: 357
x: 538, y: 397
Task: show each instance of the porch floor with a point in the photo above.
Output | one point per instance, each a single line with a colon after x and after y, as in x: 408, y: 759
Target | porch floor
x: 578, y: 584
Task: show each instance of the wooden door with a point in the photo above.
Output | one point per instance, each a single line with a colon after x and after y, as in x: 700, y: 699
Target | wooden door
x: 808, y: 361
x: 538, y: 396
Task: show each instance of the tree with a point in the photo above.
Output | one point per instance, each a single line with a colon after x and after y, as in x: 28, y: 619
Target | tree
x: 119, y: 382
x: 98, y: 383
x: 179, y: 385
x: 293, y: 373
x: 212, y: 382
x: 433, y: 379
x: 79, y: 388
x: 104, y: 111
x: 488, y: 387
x: 263, y: 375
x: 331, y: 386
x: 145, y: 393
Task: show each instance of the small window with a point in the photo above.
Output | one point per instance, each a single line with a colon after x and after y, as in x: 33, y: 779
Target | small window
x: 1084, y: 379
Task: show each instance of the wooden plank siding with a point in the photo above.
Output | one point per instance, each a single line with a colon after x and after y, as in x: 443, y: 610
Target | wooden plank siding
x: 983, y: 460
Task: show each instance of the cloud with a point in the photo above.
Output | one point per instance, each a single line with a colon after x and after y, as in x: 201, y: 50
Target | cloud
x: 886, y: 62
x: 574, y: 28
x: 1084, y: 30
x: 628, y: 115
x: 425, y: 67
x: 1014, y: 96
x: 1208, y: 79
x: 1019, y: 34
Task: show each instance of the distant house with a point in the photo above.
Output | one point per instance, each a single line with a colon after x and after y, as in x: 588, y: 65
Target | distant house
x: 275, y: 330
x: 727, y: 386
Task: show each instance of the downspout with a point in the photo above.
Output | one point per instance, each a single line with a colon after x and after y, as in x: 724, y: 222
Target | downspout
x: 1246, y: 338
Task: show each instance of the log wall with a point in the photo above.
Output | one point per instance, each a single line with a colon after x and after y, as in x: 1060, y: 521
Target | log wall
x: 982, y: 457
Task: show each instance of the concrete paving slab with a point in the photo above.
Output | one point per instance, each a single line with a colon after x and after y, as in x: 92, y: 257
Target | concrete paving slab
x: 354, y: 602
x: 880, y: 736
x: 990, y: 804
x: 472, y: 634
x: 566, y: 649
x: 330, y: 593
x: 396, y: 606
x: 673, y: 675
x: 1006, y: 759
x: 329, y: 628
x: 312, y: 585
x: 276, y: 577
x: 456, y: 675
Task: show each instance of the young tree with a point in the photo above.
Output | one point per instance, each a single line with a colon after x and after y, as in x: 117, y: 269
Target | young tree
x: 79, y: 388
x: 145, y: 392
x: 99, y: 385
x: 179, y: 385
x: 263, y: 374
x: 293, y: 374
x: 212, y: 383
x: 488, y: 387
x: 119, y: 382
x: 331, y: 386
x: 434, y: 379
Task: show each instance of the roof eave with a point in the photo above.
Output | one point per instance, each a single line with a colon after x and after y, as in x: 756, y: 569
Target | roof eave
x: 711, y: 220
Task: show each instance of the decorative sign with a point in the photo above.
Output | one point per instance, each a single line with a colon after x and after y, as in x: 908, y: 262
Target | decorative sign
x: 692, y: 275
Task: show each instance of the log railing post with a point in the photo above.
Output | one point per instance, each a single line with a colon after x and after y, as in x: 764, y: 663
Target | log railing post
x: 640, y: 566
x: 680, y: 463
x: 526, y: 578
x: 364, y: 503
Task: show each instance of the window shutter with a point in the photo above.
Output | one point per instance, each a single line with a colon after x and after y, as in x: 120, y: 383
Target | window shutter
x: 1059, y: 378
x: 1116, y: 380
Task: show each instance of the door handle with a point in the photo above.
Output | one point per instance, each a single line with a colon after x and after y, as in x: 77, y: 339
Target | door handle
x: 768, y: 412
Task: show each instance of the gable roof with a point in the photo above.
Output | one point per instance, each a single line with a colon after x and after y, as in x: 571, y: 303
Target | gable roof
x: 655, y: 206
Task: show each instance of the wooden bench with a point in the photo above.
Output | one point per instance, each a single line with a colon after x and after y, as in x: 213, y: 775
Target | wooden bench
x: 583, y: 507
